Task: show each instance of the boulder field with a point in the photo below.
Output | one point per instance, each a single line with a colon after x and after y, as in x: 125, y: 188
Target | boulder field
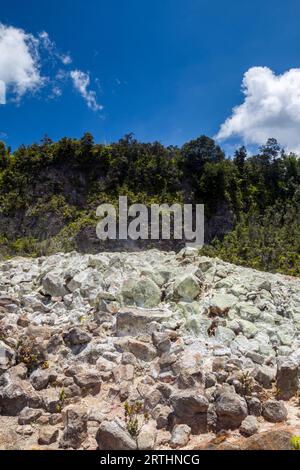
x: 147, y: 350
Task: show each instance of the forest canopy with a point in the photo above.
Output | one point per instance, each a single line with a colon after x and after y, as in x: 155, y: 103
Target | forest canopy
x: 49, y: 192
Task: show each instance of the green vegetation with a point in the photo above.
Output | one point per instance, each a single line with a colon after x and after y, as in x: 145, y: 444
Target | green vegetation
x: 295, y: 441
x: 49, y: 193
x: 135, y: 418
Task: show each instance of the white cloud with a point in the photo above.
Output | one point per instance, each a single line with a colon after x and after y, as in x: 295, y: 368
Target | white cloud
x: 81, y: 81
x: 271, y: 108
x: 19, y: 60
x: 2, y: 92
x: 23, y: 56
x: 52, y: 49
x: 66, y: 59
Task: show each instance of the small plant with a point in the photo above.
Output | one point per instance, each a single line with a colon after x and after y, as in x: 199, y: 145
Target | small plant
x: 247, y: 383
x: 29, y: 355
x: 295, y: 441
x: 135, y: 418
x: 62, y: 395
x: 61, y: 398
x: 58, y: 408
x: 45, y: 365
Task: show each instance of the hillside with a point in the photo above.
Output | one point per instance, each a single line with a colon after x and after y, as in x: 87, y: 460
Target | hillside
x: 188, y: 345
x: 49, y: 193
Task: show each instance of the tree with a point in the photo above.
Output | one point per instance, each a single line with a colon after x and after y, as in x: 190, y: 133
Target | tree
x: 4, y: 155
x: 271, y: 149
x: 200, y: 151
x: 239, y: 159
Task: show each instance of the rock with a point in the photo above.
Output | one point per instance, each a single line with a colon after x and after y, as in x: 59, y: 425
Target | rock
x: 202, y: 361
x: 287, y: 379
x: 28, y: 415
x: 76, y: 336
x: 161, y: 341
x: 15, y: 395
x: 142, y: 292
x: 180, y: 435
x: 220, y: 304
x: 166, y: 360
x: 285, y: 335
x: 264, y: 375
x: 270, y: 440
x: 41, y: 378
x: 188, y: 402
x: 103, y: 365
x: 249, y: 426
x: 274, y: 411
x: 47, y: 436
x: 231, y: 410
x: 7, y: 356
x: 152, y: 398
x: 128, y: 358
x: 55, y: 419
x: 75, y: 428
x: 143, y: 351
x: 248, y: 329
x: 123, y: 373
x: 85, y: 281
x: 254, y: 406
x: 53, y: 284
x: 112, y: 435
x: 224, y: 335
x: 161, y: 414
x: 248, y: 312
x: 89, y: 381
x: 186, y: 287
x: 146, y: 438
x: 205, y: 263
x: 210, y: 380
x: 134, y: 322
x: 51, y: 400
x: 25, y: 430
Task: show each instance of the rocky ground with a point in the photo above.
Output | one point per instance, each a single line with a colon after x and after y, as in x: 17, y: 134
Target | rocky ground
x: 148, y: 350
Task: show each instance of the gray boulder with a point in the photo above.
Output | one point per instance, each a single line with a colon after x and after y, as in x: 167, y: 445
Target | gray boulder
x: 180, y: 435
x: 76, y: 336
x: 28, y: 415
x: 75, y: 428
x: 144, y: 351
x: 112, y: 435
x: 249, y: 426
x: 187, y: 403
x: 264, y: 375
x: 287, y: 380
x: 187, y: 287
x: 274, y: 411
x: 54, y: 285
x: 231, y: 410
x: 89, y: 381
x: 142, y: 292
x: 133, y: 322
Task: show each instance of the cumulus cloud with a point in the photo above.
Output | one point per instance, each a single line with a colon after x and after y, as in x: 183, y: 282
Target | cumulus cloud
x: 19, y: 61
x: 81, y: 81
x: 24, y: 56
x: 271, y: 108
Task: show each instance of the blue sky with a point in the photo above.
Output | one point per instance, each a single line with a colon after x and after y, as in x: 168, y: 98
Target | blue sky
x: 166, y: 70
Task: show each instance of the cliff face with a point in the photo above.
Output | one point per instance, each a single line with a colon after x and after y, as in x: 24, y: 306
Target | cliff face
x: 57, y: 203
